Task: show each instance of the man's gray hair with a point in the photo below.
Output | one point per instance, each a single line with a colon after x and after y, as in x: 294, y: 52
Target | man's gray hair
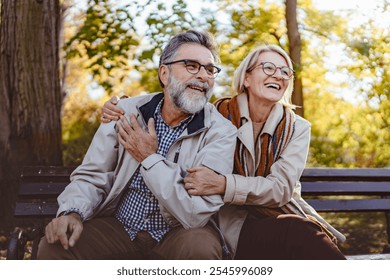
x: 188, y: 37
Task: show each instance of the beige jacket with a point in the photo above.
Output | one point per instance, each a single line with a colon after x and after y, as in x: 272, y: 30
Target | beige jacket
x: 97, y: 184
x: 280, y: 188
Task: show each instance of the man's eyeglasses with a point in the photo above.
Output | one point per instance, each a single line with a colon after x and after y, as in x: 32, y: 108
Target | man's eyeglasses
x: 270, y: 69
x: 193, y: 67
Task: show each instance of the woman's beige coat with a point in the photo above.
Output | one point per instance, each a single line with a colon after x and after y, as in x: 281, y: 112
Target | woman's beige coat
x: 281, y: 188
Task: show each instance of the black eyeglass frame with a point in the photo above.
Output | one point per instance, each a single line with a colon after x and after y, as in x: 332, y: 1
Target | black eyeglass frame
x: 186, y: 61
x: 276, y: 69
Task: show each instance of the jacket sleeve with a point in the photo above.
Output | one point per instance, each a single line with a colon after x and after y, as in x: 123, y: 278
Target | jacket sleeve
x: 92, y: 180
x: 165, y: 178
x: 277, y: 188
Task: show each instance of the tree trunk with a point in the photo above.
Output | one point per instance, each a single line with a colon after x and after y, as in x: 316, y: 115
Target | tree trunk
x: 295, y: 47
x: 30, y: 108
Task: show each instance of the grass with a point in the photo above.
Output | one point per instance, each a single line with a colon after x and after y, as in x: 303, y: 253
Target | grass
x: 365, y: 232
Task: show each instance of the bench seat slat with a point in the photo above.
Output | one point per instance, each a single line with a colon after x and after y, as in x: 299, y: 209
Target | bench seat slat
x: 350, y: 205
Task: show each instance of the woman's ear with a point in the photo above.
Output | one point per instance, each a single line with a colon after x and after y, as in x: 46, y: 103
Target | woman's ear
x: 163, y: 73
x: 246, y: 82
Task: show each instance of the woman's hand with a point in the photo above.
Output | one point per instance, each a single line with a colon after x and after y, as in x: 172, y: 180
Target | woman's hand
x: 204, y: 181
x: 111, y: 112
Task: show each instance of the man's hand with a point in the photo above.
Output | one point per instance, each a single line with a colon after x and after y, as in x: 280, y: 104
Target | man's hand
x: 65, y: 229
x: 138, y: 142
x: 204, y: 181
x: 111, y: 112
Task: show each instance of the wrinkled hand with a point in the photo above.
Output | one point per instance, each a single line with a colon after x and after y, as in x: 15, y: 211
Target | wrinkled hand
x: 111, y: 112
x: 138, y: 142
x: 204, y: 181
x: 65, y: 229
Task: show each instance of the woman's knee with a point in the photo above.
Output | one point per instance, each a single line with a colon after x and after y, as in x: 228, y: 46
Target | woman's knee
x: 299, y: 224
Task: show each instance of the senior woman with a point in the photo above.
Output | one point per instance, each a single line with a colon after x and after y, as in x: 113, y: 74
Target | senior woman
x: 264, y: 216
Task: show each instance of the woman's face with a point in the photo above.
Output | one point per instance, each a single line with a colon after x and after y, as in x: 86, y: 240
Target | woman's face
x: 260, y: 86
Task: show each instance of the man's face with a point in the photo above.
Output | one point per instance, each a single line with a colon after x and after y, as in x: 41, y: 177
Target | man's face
x: 190, y: 92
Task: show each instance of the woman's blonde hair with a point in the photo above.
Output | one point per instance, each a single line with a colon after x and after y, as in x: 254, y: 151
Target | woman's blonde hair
x: 250, y: 62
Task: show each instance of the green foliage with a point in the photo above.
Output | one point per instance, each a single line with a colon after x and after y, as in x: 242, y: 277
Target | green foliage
x: 163, y: 21
x: 149, y: 80
x: 107, y: 37
x: 79, y: 123
x: 368, y: 47
x: 344, y: 134
x: 365, y: 232
x: 253, y: 24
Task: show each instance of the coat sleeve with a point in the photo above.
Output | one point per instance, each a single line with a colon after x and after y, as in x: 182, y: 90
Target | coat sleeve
x: 92, y: 180
x: 276, y: 189
x: 165, y: 178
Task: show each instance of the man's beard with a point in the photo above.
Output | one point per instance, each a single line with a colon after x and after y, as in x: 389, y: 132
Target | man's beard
x: 188, y: 102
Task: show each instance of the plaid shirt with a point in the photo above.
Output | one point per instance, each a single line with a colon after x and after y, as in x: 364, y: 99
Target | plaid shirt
x: 139, y: 209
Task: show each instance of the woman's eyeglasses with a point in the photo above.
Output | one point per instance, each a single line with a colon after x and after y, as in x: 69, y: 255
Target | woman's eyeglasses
x: 270, y: 69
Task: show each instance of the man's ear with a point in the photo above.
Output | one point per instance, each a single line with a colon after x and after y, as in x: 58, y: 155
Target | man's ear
x: 163, y: 73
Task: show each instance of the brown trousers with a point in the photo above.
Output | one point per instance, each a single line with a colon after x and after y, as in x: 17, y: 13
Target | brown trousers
x: 286, y: 237
x: 105, y: 238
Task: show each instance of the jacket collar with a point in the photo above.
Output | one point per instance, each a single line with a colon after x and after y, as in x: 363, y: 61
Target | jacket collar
x: 147, y: 110
x: 272, y: 121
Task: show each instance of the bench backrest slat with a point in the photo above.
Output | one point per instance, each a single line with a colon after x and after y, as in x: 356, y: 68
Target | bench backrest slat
x: 46, y: 171
x: 350, y: 205
x: 40, y: 185
x: 28, y: 209
x: 346, y: 174
x: 41, y: 189
x: 350, y: 188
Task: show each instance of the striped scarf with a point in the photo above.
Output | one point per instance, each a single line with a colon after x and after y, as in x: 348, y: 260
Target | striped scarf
x: 272, y: 146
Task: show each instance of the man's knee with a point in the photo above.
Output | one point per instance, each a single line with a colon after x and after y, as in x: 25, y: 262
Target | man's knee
x: 48, y: 251
x: 202, y: 244
x: 196, y: 244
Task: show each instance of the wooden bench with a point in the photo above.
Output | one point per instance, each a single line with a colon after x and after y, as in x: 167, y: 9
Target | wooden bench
x: 350, y: 190
x: 36, y: 205
x: 326, y: 189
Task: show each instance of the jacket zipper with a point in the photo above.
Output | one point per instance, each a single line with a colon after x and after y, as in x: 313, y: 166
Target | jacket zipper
x: 180, y: 138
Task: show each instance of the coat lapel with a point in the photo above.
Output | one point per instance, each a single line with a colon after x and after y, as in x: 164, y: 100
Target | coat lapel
x: 245, y: 132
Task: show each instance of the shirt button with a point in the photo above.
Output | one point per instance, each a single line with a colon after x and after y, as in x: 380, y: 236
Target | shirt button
x: 146, y: 221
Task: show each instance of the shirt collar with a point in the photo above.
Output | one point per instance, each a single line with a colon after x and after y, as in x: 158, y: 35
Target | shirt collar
x: 157, y: 114
x: 147, y: 110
